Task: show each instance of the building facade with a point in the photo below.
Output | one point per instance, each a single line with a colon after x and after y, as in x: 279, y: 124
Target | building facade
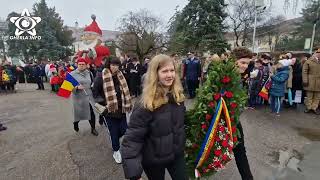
x: 266, y: 37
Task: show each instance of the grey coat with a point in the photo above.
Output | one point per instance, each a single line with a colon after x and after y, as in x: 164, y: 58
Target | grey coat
x: 80, y: 98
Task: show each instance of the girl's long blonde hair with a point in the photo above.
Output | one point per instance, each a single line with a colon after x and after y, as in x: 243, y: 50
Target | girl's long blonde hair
x: 154, y: 95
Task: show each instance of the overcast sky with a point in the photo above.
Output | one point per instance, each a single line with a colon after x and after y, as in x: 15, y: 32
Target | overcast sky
x: 109, y: 11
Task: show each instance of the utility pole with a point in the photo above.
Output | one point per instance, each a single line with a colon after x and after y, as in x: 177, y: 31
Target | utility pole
x: 254, y: 26
x: 2, y: 41
x: 314, y: 29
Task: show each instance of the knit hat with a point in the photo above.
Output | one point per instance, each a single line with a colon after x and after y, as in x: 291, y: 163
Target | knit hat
x: 93, y: 27
x: 79, y: 60
x: 286, y: 62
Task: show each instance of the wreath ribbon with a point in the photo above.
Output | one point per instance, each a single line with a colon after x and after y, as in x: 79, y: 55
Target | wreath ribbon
x: 209, y: 140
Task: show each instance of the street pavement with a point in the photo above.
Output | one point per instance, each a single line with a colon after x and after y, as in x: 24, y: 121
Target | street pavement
x: 40, y: 143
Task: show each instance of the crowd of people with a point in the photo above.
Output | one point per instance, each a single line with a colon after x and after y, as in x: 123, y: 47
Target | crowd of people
x: 151, y: 142
x: 8, y: 77
x: 289, y: 79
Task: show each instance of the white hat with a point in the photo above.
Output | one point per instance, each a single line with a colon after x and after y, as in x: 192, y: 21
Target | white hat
x: 286, y: 62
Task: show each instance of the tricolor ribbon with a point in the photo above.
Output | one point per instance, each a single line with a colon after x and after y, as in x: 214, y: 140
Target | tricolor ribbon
x: 209, y: 140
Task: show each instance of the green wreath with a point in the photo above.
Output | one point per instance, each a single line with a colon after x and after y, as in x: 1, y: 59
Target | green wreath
x: 223, y: 82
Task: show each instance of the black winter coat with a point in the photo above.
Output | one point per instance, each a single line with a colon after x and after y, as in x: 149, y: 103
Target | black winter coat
x: 99, y: 95
x: 97, y: 90
x: 153, y: 138
x: 134, y: 77
x: 297, y: 77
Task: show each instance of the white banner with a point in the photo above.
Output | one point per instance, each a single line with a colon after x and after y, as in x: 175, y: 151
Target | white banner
x: 298, y: 97
x: 307, y: 43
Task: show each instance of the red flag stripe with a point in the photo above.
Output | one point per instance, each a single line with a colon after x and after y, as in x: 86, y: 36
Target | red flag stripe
x: 64, y: 93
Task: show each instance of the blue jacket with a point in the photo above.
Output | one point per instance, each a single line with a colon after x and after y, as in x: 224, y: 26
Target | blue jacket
x: 192, y: 69
x: 279, y: 82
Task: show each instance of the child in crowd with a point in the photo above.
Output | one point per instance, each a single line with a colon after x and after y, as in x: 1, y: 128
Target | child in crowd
x: 277, y: 90
x: 54, y: 81
x: 255, y: 83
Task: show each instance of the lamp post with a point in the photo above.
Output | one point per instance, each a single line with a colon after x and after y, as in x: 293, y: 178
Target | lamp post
x: 254, y: 26
x: 3, y: 44
x: 262, y: 7
x: 314, y: 29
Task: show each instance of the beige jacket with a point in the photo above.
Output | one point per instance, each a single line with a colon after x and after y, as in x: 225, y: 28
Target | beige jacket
x: 311, y: 74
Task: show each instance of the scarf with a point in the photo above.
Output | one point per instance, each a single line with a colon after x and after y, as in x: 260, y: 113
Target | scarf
x: 110, y: 93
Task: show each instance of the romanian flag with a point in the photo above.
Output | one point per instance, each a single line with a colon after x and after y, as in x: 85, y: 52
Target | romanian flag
x: 264, y: 93
x: 71, y: 68
x: 67, y: 86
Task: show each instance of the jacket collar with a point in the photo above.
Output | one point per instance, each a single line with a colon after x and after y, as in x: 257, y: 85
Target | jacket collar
x: 83, y: 72
x: 315, y: 59
x: 286, y: 68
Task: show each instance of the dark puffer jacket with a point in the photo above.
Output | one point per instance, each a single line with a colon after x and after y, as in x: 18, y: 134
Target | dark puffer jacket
x: 152, y: 138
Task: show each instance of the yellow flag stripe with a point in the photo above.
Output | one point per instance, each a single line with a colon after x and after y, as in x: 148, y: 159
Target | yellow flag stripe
x: 67, y: 86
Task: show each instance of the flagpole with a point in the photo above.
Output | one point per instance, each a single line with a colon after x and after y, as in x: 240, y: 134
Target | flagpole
x: 89, y: 98
x: 85, y: 92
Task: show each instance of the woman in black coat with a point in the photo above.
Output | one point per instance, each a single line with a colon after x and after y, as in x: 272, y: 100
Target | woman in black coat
x: 155, y: 138
x: 134, y: 71
x: 98, y: 93
x: 111, y: 90
x: 297, y: 79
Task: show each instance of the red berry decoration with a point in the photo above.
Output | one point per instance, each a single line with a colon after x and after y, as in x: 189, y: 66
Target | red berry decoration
x: 217, y: 139
x: 226, y: 80
x: 217, y: 96
x: 221, y: 129
x: 204, y: 126
x: 225, y: 143
x: 217, y: 152
x: 229, y: 94
x: 234, y: 129
x: 235, y: 139
x: 217, y: 164
x: 225, y: 157
x: 233, y: 105
x: 208, y: 117
x: 211, y: 104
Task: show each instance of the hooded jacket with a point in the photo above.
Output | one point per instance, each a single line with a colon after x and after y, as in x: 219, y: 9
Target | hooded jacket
x: 279, y: 82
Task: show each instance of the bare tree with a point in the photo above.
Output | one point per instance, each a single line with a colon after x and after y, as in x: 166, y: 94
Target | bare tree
x: 141, y: 33
x: 272, y: 30
x: 241, y: 18
x: 293, y: 4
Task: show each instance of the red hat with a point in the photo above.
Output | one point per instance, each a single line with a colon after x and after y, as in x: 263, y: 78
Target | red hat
x: 80, y: 59
x: 93, y: 27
